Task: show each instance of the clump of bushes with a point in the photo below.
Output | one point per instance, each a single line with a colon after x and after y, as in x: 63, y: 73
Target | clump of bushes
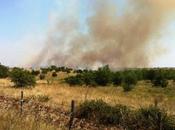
x: 42, y: 76
x: 153, y: 118
x: 103, y: 77
x: 35, y: 72
x: 22, y: 78
x: 74, y: 80
x: 44, y: 70
x: 54, y: 74
x: 117, y: 78
x: 150, y: 118
x: 129, y: 80
x: 101, y: 112
x: 160, y: 81
x: 4, y: 71
x: 126, y: 78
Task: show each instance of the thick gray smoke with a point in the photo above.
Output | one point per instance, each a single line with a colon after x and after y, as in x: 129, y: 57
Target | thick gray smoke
x: 120, y: 41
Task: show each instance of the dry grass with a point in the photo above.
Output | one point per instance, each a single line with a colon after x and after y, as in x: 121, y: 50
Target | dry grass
x: 9, y: 120
x: 60, y: 94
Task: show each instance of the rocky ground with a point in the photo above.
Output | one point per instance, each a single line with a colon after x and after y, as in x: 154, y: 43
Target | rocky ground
x: 56, y: 116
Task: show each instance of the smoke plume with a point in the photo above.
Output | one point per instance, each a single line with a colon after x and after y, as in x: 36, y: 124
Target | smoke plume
x: 117, y: 40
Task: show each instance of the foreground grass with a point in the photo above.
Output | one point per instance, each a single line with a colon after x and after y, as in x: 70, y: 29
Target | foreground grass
x: 61, y: 94
x: 10, y: 120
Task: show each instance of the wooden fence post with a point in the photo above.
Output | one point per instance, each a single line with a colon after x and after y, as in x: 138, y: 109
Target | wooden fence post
x: 72, y: 114
x: 21, y: 102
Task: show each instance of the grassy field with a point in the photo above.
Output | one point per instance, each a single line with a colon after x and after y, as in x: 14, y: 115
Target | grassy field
x: 57, y: 93
x: 10, y: 120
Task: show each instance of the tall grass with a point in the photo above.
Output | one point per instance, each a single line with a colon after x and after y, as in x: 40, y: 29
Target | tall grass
x: 14, y: 121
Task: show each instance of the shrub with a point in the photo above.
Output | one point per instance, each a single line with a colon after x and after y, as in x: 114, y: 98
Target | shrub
x: 88, y: 78
x: 153, y: 118
x: 103, y: 76
x: 101, y: 112
x: 42, y: 76
x: 117, y: 78
x: 54, y: 74
x: 44, y: 70
x: 53, y: 68
x: 35, y: 72
x: 22, y: 78
x: 127, y: 87
x: 74, y: 80
x: 129, y: 80
x: 149, y: 118
x: 160, y: 81
x: 3, y: 71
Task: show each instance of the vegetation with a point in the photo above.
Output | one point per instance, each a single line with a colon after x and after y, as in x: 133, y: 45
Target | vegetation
x: 129, y: 80
x: 74, y: 80
x: 4, y: 71
x: 42, y: 76
x: 126, y: 78
x: 13, y: 121
x: 130, y: 117
x: 101, y: 112
x: 54, y: 74
x: 149, y: 118
x: 35, y: 72
x: 56, y: 69
x: 103, y: 76
x: 22, y: 78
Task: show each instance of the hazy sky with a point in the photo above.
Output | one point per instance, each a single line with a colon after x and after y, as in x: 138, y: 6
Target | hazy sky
x: 25, y: 23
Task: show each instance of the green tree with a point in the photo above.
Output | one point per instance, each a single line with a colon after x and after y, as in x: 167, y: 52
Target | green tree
x: 22, y: 78
x: 35, y: 72
x: 103, y: 76
x: 117, y: 78
x: 3, y: 71
x: 160, y: 81
x: 129, y: 80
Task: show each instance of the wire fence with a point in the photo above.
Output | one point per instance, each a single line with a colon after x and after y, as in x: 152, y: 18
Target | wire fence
x: 55, y: 116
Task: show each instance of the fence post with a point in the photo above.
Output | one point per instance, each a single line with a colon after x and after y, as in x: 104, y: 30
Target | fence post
x: 72, y: 114
x: 21, y: 102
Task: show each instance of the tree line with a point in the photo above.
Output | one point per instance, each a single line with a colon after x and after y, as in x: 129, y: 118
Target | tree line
x: 127, y: 78
x: 104, y: 76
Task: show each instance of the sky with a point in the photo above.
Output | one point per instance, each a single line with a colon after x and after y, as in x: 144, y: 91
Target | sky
x: 25, y: 23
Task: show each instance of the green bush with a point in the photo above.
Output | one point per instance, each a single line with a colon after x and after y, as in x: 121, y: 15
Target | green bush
x: 103, y: 76
x: 35, y: 72
x: 149, y: 118
x: 22, y: 78
x: 117, y: 78
x: 88, y: 78
x: 153, y: 118
x: 129, y: 80
x: 101, y: 112
x: 127, y: 87
x: 3, y: 71
x: 45, y: 70
x: 74, y: 80
x: 160, y: 81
